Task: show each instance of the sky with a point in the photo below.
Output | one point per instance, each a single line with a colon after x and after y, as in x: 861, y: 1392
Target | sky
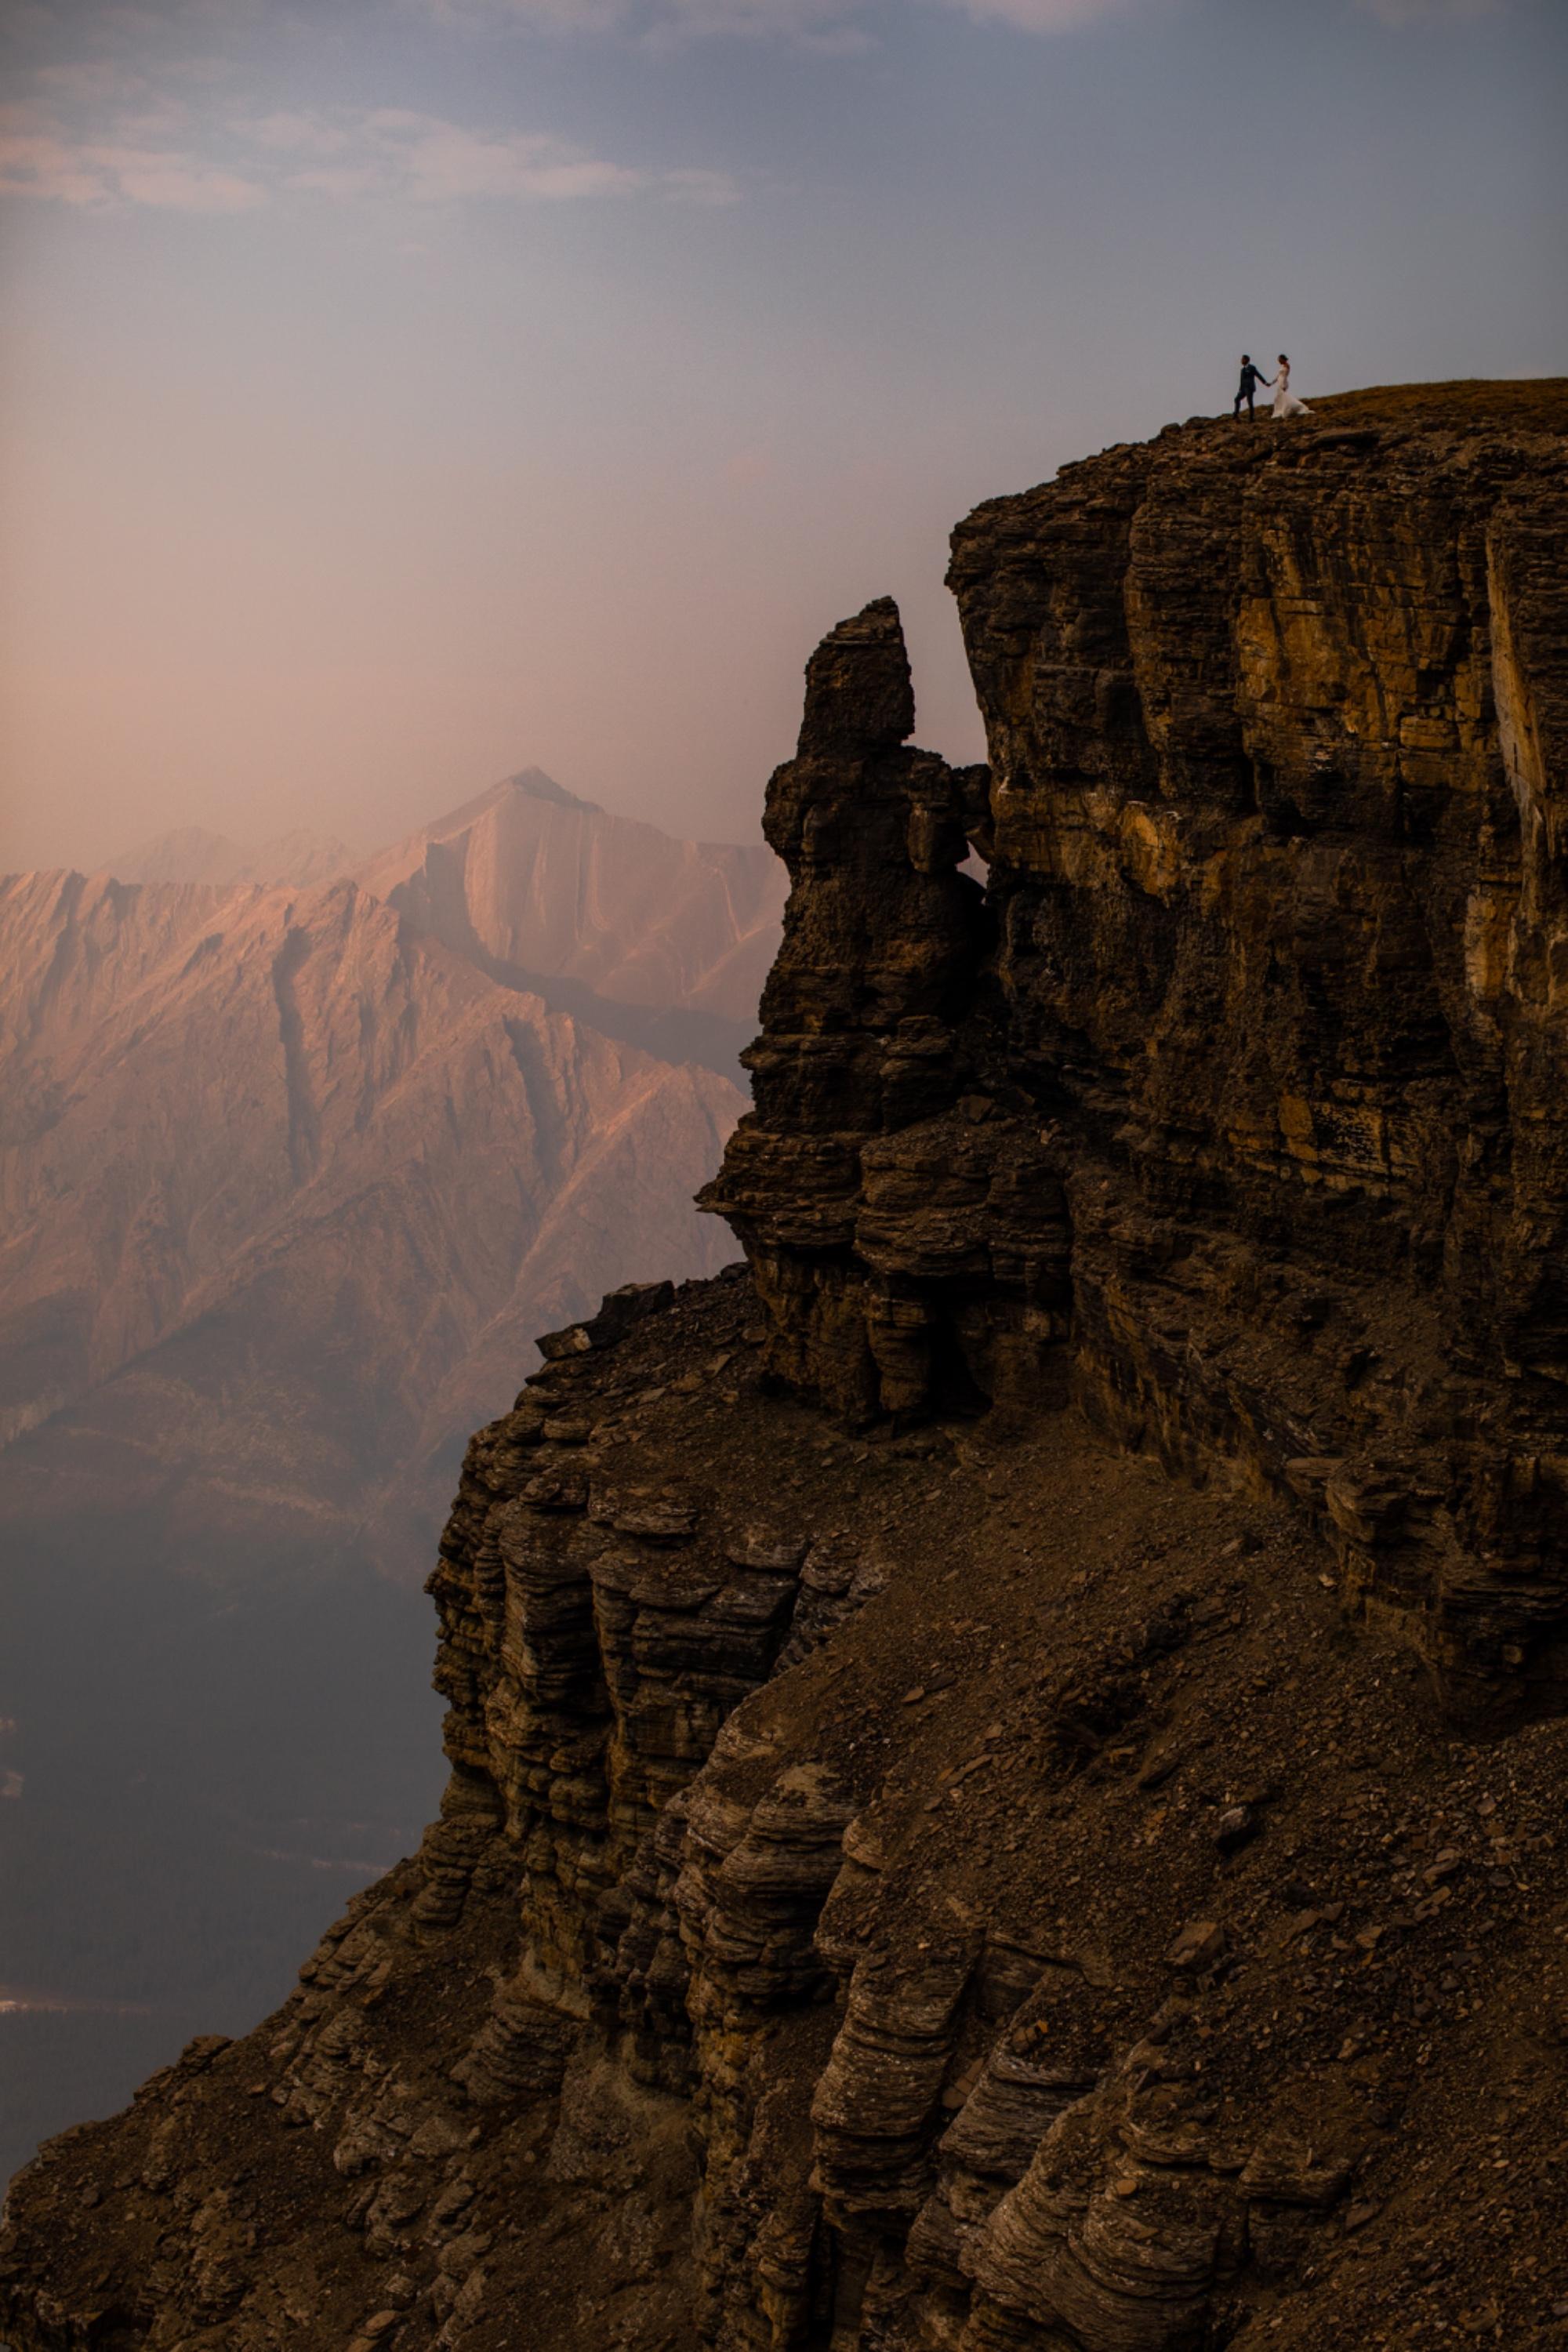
x: 396, y: 393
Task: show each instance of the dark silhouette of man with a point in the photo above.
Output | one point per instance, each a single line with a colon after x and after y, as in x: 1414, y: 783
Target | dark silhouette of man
x: 1251, y: 378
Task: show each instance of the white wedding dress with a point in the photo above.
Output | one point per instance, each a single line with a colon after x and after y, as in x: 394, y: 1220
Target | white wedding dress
x: 1285, y: 401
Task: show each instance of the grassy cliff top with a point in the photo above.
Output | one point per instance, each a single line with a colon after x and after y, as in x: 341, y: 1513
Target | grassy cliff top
x: 1538, y: 404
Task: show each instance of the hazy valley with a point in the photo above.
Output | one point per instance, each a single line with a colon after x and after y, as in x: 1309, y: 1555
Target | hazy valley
x: 294, y: 1172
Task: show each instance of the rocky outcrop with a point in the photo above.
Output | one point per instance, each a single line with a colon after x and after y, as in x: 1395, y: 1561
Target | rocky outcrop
x: 1152, y: 1973
x: 880, y: 1211
x: 1242, y: 1096
x: 916, y: 1876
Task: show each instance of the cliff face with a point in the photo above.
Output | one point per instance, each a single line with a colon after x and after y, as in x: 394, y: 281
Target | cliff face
x: 1242, y: 1104
x: 915, y: 1877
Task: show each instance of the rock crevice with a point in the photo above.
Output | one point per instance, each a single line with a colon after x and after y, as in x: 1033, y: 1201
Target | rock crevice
x: 1240, y: 1092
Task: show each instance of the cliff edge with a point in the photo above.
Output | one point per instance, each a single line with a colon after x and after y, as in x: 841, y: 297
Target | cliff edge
x: 1006, y: 1756
x: 1238, y: 1103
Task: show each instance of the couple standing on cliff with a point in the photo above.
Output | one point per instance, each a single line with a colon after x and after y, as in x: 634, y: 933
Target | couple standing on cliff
x: 1285, y: 401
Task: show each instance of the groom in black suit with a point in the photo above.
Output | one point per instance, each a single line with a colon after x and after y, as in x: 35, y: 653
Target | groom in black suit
x: 1251, y: 378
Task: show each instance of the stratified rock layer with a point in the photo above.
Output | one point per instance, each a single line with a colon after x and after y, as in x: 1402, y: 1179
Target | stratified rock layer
x: 959, y: 1895
x: 950, y: 1887
x: 1248, y: 1091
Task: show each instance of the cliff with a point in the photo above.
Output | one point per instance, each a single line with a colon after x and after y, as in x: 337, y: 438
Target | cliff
x: 1239, y: 1106
x: 1006, y: 1756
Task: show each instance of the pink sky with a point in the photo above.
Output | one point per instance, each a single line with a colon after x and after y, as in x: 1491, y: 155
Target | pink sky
x: 397, y: 396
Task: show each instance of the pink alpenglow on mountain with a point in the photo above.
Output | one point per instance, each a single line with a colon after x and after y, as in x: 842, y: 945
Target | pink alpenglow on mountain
x: 294, y: 1177
x: 529, y: 877
x: 192, y: 854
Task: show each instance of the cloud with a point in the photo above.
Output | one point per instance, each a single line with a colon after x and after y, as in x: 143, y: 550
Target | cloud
x: 91, y: 82
x: 832, y: 24
x: 435, y: 161
x: 1429, y: 12
x: 431, y: 161
x: 309, y: 133
x: 33, y: 163
x: 850, y: 25
x: 836, y: 26
x: 1052, y: 16
x: 37, y: 159
x: 343, y: 182
x: 400, y: 152
x: 173, y: 183
x: 390, y: 154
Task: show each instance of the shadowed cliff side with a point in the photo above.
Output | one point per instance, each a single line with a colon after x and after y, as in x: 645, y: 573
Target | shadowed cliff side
x: 1251, y: 1107
x: 916, y: 1876
x: 664, y: 943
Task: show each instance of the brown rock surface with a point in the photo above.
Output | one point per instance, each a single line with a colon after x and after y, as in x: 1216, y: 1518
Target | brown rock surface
x: 770, y: 2008
x: 1241, y: 1102
x: 955, y: 1886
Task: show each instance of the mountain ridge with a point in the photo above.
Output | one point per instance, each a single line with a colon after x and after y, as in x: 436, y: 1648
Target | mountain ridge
x: 112, y: 1009
x: 290, y: 1184
x: 533, y: 882
x: 192, y: 854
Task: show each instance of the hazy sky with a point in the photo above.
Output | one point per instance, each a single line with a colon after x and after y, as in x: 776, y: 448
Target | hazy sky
x: 399, y: 392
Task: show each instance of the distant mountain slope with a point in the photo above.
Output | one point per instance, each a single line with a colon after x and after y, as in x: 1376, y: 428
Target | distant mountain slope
x: 292, y: 1174
x: 527, y: 880
x: 288, y: 1189
x: 192, y: 854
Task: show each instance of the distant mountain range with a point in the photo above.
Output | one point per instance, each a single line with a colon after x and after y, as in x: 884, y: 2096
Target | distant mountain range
x: 192, y: 854
x: 295, y: 1170
x: 664, y: 943
x: 299, y: 1151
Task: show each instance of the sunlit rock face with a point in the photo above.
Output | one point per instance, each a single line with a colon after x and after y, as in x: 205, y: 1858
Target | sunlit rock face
x: 1242, y: 1096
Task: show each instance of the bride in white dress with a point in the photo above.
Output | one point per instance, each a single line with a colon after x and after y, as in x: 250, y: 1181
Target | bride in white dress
x: 1285, y: 401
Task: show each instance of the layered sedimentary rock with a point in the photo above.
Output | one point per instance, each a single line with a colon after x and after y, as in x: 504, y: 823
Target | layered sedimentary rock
x: 917, y: 1877
x: 958, y: 1895
x: 1247, y: 1086
x: 903, y: 1237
